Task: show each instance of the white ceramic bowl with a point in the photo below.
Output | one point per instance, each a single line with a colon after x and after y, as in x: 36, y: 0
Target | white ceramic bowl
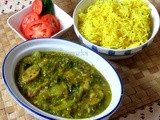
x: 48, y: 44
x: 115, y: 54
x: 66, y: 21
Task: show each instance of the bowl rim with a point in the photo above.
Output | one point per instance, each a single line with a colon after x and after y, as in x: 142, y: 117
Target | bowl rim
x: 18, y: 100
x: 135, y: 49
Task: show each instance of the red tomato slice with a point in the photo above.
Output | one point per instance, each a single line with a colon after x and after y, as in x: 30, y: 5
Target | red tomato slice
x: 37, y: 29
x: 37, y: 6
x: 52, y: 21
x: 30, y: 17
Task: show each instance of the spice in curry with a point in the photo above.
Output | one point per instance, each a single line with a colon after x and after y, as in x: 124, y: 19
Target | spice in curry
x: 62, y: 84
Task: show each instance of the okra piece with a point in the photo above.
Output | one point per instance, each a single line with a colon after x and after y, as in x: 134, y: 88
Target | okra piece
x: 30, y: 73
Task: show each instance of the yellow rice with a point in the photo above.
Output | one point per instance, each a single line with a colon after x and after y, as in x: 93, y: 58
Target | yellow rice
x: 117, y: 25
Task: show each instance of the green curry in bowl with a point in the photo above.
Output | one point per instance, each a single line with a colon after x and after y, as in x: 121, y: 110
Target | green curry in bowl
x: 62, y: 84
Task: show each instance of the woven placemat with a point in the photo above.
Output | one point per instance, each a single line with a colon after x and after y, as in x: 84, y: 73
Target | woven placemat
x: 140, y: 74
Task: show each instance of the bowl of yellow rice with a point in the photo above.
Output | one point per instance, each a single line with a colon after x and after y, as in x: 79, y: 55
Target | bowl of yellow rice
x: 117, y: 28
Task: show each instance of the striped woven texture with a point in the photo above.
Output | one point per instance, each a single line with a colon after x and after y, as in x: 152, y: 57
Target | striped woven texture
x: 140, y: 74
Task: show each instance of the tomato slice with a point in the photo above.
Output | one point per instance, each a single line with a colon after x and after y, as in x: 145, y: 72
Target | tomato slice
x: 52, y: 21
x: 37, y: 6
x: 37, y: 29
x: 30, y: 17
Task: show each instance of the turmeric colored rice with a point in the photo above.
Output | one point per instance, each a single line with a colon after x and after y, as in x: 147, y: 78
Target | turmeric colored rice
x: 116, y: 25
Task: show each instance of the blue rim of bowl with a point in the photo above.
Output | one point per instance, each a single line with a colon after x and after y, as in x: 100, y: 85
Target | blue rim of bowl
x: 34, y: 111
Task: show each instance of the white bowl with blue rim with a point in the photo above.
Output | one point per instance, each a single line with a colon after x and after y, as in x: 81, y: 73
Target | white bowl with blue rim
x: 115, y: 54
x: 47, y: 44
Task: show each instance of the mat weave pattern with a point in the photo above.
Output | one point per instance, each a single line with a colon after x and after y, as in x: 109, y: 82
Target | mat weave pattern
x: 140, y: 74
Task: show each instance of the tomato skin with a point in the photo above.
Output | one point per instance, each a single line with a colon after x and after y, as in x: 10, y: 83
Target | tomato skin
x: 30, y: 17
x: 38, y: 25
x: 37, y: 29
x: 52, y: 21
x: 37, y: 6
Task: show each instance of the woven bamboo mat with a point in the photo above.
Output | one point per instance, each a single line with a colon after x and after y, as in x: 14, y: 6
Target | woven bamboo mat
x: 140, y: 74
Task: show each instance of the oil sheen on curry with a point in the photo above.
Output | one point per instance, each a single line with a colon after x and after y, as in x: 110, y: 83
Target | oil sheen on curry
x: 62, y: 84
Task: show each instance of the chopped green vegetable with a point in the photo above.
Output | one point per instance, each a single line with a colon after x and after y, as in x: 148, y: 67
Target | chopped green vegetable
x: 48, y: 7
x: 31, y: 73
x: 62, y: 84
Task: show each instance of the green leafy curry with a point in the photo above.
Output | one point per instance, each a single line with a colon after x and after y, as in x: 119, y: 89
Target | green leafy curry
x: 62, y: 84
